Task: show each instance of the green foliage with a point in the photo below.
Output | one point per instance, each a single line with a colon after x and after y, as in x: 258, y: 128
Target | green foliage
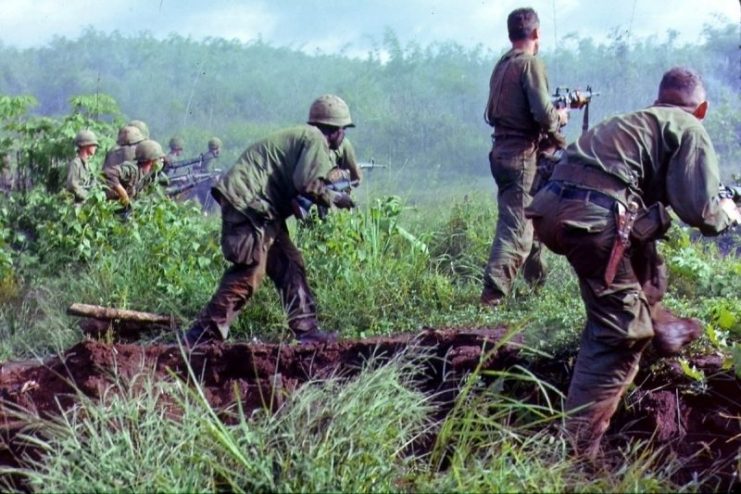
x: 128, y: 442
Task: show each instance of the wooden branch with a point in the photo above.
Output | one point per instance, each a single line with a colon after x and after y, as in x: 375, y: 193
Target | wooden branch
x: 110, y: 313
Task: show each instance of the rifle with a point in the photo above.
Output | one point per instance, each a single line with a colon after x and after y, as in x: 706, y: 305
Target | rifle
x: 575, y: 99
x: 301, y: 204
x: 364, y: 165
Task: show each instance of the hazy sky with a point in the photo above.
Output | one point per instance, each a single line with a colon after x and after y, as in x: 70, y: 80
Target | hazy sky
x: 355, y: 26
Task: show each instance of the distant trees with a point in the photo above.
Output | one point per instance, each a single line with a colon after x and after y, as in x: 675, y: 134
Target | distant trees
x: 417, y: 105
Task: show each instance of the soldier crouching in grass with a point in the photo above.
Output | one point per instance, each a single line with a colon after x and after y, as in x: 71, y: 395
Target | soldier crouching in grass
x: 255, y: 197
x: 604, y: 209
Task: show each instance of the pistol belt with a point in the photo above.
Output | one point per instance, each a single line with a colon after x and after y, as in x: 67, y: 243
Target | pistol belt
x: 589, y: 177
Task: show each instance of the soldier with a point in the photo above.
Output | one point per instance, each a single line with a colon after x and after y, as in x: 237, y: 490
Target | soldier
x: 127, y: 179
x: 520, y: 110
x: 346, y: 163
x: 128, y: 138
x: 604, y: 209
x: 143, y: 128
x: 255, y: 197
x: 214, y: 149
x: 80, y: 178
x: 176, y: 149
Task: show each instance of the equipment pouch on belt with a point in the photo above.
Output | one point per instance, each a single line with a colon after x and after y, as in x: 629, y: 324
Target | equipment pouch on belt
x: 651, y: 223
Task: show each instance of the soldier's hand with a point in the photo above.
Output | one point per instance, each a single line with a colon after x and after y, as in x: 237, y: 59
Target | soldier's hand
x: 563, y: 116
x: 731, y: 210
x: 579, y: 100
x: 343, y: 201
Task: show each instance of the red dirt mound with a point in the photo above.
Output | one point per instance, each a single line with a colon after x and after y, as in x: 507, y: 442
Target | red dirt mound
x: 700, y: 423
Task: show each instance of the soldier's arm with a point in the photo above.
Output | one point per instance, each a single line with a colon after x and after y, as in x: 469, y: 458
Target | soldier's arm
x: 350, y: 161
x: 536, y: 88
x: 692, y: 183
x: 73, y: 181
x: 309, y: 177
x: 113, y: 180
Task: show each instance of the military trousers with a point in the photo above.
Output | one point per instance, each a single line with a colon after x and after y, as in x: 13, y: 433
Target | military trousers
x: 513, y: 164
x: 257, y: 247
x: 619, y: 324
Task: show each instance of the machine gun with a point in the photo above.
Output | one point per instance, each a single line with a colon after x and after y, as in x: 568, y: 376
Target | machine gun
x: 195, y: 186
x: 189, y: 166
x: 301, y: 204
x: 575, y: 99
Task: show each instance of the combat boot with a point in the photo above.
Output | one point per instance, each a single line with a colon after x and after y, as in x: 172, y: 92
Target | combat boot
x: 316, y: 335
x: 672, y: 333
x: 491, y: 297
x: 198, y: 335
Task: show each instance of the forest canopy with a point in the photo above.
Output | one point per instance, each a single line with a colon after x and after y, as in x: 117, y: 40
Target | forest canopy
x: 417, y: 107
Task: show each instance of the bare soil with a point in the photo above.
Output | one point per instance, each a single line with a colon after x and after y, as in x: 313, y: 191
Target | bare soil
x: 700, y: 424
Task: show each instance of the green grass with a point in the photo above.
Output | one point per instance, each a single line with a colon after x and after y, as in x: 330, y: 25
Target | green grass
x: 385, y: 268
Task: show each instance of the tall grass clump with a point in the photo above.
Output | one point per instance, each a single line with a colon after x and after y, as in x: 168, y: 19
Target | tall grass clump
x: 144, y: 436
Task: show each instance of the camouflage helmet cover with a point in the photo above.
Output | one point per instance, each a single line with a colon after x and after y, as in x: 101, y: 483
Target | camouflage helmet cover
x: 141, y: 126
x: 148, y: 150
x: 177, y: 142
x: 330, y: 109
x: 86, y: 138
x: 214, y: 143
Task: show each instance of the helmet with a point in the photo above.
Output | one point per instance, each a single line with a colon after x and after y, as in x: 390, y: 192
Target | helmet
x: 132, y: 135
x: 177, y: 142
x: 141, y: 126
x: 214, y: 143
x: 148, y: 150
x: 86, y: 138
x: 330, y: 110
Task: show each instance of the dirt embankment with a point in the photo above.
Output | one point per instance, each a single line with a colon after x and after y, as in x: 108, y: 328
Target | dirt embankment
x: 700, y: 424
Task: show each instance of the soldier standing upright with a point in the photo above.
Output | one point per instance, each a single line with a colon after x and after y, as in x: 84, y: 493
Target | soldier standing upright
x: 604, y: 209
x: 256, y: 197
x: 80, y: 178
x: 520, y: 110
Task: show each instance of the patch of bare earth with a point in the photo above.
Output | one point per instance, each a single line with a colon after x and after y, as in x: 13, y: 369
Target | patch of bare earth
x: 701, y: 425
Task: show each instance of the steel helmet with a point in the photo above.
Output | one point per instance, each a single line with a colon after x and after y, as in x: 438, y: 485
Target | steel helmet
x: 148, y: 150
x: 132, y: 135
x: 86, y: 138
x: 141, y: 126
x: 214, y: 143
x: 330, y: 110
x: 177, y: 142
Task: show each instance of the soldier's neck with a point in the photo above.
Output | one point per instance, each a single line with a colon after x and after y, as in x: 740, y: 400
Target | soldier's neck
x: 526, y: 45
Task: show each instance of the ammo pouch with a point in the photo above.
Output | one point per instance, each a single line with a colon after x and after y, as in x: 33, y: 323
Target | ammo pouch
x: 651, y: 223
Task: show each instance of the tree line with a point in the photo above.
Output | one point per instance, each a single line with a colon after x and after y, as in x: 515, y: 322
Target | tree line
x: 417, y: 107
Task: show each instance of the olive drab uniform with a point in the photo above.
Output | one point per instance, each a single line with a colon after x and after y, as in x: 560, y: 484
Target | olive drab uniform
x: 520, y: 110
x: 656, y: 157
x: 80, y: 178
x: 129, y: 175
x: 346, y: 162
x: 255, y: 197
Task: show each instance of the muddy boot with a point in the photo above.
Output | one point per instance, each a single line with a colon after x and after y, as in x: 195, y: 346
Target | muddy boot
x: 491, y: 297
x: 316, y: 335
x: 585, y: 430
x: 672, y: 333
x: 198, y: 335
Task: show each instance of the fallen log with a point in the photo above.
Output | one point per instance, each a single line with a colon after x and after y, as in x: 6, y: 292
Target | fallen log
x: 110, y: 313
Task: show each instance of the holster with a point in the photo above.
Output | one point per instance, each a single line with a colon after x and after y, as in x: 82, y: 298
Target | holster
x: 651, y: 223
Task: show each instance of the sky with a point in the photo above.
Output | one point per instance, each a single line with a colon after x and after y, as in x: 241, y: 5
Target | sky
x: 354, y: 27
